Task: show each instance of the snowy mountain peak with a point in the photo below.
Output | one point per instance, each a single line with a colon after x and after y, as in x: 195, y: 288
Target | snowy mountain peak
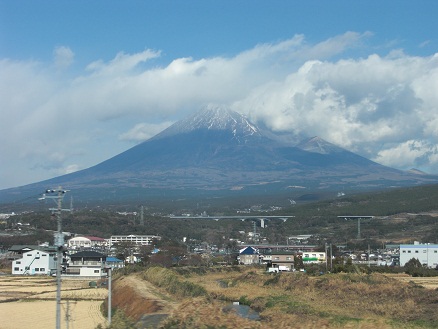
x: 318, y: 145
x: 214, y: 118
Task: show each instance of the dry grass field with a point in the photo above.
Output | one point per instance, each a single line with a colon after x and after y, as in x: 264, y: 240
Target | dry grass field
x: 30, y: 302
x: 293, y: 300
x: 190, y: 299
x: 201, y: 298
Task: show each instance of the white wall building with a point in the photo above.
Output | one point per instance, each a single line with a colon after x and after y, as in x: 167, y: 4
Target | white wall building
x: 80, y: 242
x: 314, y: 257
x: 139, y: 240
x: 35, y: 262
x: 87, y: 264
x: 427, y: 254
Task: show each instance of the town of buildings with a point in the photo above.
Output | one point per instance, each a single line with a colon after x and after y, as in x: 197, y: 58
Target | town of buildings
x: 82, y: 259
x: 89, y: 256
x: 84, y: 256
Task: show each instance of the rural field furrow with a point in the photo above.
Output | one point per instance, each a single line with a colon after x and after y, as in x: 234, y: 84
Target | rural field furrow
x: 37, y: 308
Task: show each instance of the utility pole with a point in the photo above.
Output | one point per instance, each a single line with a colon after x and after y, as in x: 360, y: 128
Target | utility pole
x: 369, y: 259
x: 331, y: 258
x: 57, y: 196
x: 358, y: 228
x: 142, y: 216
x: 109, y: 296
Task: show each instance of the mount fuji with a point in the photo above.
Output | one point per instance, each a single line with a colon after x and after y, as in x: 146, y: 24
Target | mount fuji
x: 221, y: 151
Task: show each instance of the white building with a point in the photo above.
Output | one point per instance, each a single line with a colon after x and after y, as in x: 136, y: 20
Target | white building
x: 139, y: 240
x: 35, y: 262
x: 427, y: 254
x: 81, y: 242
x: 314, y: 257
x: 87, y: 264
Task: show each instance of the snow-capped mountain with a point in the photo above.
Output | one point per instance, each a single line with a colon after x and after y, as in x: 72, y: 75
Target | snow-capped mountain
x: 214, y: 119
x: 318, y: 145
x: 220, y: 151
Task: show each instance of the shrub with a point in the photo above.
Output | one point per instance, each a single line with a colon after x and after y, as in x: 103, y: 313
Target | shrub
x: 170, y: 281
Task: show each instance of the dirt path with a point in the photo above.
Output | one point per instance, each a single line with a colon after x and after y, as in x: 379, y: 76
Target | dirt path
x: 143, y: 301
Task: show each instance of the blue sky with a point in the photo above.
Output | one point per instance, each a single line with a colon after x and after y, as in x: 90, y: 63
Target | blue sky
x: 81, y: 81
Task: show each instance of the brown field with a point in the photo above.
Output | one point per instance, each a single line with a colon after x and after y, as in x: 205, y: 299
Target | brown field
x: 30, y: 302
x: 427, y: 282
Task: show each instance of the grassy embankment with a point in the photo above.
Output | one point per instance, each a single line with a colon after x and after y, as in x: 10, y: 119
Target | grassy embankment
x: 291, y: 300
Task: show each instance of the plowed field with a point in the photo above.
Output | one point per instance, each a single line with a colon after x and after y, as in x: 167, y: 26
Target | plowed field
x: 30, y: 302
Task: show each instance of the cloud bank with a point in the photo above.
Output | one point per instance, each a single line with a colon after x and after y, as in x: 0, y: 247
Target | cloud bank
x: 55, y: 121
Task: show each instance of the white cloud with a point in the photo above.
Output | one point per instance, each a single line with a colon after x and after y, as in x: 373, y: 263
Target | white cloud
x: 71, y: 168
x: 409, y: 154
x: 361, y: 104
x: 143, y: 131
x: 372, y: 105
x: 64, y: 57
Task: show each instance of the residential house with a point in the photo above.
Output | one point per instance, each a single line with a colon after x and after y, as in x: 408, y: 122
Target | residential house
x: 35, y: 262
x: 283, y: 259
x: 17, y: 251
x: 114, y: 263
x: 248, y: 256
x: 87, y: 264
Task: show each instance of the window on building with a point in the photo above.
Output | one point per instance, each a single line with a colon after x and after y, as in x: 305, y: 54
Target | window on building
x: 404, y: 251
x: 44, y: 255
x: 96, y: 271
x: 435, y: 251
x: 276, y: 258
x: 424, y: 251
x: 42, y: 269
x: 37, y: 269
x: 288, y: 258
x: 416, y: 251
x: 409, y: 251
x: 27, y: 268
x: 16, y: 268
x: 18, y: 262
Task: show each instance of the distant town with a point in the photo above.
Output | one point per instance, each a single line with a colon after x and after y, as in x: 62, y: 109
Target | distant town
x: 90, y: 257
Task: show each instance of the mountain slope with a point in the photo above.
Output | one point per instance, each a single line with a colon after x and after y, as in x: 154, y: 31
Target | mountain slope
x: 221, y: 150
